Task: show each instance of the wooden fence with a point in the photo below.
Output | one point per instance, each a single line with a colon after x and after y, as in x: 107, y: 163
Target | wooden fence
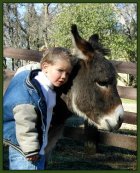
x: 106, y: 138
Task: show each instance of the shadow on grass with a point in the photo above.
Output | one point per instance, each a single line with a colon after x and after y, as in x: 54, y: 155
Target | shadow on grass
x: 71, y: 155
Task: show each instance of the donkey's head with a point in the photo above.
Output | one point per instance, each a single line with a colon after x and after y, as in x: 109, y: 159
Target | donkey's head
x: 94, y: 94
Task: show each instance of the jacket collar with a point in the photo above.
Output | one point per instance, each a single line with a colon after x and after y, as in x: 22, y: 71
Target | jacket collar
x: 43, y: 80
x: 32, y: 83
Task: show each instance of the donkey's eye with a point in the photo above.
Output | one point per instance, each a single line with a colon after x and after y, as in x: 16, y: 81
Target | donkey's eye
x: 102, y: 84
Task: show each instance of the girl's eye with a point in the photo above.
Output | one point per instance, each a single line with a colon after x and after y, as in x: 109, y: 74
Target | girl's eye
x: 67, y: 74
x: 63, y: 71
x: 60, y: 70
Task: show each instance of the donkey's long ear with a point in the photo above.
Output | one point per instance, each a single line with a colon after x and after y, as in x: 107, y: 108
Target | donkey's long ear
x: 82, y: 48
x: 96, y: 45
x: 94, y: 38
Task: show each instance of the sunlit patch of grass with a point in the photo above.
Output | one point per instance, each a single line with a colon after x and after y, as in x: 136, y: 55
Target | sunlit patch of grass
x: 128, y: 101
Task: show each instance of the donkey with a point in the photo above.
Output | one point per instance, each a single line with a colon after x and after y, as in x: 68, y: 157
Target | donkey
x: 91, y: 90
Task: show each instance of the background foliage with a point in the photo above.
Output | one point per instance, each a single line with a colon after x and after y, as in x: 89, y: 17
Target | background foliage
x: 39, y: 25
x: 34, y: 25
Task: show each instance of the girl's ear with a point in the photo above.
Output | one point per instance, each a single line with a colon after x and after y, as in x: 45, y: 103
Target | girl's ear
x: 44, y: 66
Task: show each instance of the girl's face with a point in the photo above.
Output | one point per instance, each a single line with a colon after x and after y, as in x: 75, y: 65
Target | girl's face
x: 57, y: 72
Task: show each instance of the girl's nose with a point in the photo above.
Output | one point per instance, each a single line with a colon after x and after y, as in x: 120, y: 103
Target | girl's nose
x: 63, y: 75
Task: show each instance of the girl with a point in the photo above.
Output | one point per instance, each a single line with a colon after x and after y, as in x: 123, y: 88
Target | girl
x: 28, y: 105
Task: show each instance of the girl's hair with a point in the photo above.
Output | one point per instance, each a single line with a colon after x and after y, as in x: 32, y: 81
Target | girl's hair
x: 52, y: 54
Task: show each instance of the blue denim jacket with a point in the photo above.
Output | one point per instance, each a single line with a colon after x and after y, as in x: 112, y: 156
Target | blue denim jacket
x: 23, y: 89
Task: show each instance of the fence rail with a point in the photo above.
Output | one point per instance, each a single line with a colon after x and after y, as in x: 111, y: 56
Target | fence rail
x: 125, y: 67
x: 106, y: 138
x: 113, y: 139
x: 24, y: 54
x: 127, y: 92
x: 33, y: 55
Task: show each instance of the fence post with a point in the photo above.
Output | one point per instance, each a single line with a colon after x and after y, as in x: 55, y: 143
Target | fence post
x: 91, y: 138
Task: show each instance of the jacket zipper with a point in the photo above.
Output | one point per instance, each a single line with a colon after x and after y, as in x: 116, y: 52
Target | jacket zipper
x: 14, y: 146
x: 17, y: 148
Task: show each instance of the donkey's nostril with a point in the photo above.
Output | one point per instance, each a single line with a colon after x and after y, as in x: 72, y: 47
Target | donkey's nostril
x: 114, y: 125
x: 108, y: 125
x: 120, y: 120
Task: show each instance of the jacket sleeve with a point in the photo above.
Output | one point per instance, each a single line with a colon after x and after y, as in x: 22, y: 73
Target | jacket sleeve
x: 26, y: 132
